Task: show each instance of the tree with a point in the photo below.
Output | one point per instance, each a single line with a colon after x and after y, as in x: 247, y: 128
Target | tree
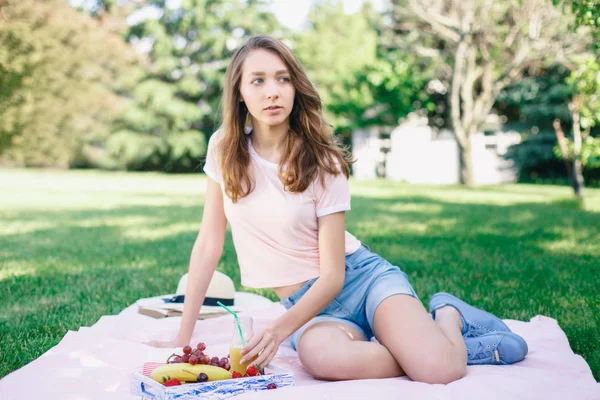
x: 585, y: 101
x: 362, y: 82
x: 587, y: 13
x: 58, y: 76
x: 178, y: 98
x: 584, y: 105
x: 334, y: 48
x: 483, y: 46
x: 530, y: 106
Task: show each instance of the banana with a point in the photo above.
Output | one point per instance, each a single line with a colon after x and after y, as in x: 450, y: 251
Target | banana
x: 188, y: 372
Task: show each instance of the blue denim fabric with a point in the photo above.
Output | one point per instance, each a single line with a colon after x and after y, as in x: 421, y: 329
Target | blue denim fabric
x: 370, y: 279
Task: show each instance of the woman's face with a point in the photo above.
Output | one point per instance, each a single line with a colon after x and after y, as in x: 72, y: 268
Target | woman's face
x: 266, y: 88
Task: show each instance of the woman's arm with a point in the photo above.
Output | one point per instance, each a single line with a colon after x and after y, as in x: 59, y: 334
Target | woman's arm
x: 332, y: 255
x: 205, y: 256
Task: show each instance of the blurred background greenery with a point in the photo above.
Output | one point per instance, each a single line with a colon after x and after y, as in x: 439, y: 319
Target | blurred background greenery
x: 136, y: 84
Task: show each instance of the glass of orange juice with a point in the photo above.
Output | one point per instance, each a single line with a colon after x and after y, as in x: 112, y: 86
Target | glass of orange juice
x: 236, y: 345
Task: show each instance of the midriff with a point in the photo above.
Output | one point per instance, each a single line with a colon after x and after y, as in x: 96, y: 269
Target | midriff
x: 285, y: 291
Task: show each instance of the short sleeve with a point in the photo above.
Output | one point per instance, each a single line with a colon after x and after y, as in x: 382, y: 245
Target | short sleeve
x: 333, y: 196
x: 212, y: 165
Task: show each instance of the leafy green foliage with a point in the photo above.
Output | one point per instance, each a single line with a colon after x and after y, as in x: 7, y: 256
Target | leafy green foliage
x: 587, y: 13
x: 590, y: 152
x: 585, y: 81
x: 539, y: 99
x: 178, y: 99
x: 361, y: 82
x: 69, y: 82
x: 58, y: 77
x: 333, y: 51
x: 134, y: 151
x: 187, y: 151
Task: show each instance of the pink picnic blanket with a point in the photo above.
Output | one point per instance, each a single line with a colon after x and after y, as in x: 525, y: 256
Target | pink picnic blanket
x: 96, y: 363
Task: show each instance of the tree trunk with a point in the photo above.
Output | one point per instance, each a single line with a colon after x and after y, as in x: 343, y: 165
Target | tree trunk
x: 564, y: 150
x: 459, y: 113
x: 577, y: 169
x: 466, y: 163
x: 577, y: 178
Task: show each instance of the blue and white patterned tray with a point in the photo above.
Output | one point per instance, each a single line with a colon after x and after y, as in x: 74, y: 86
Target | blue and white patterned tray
x: 150, y: 389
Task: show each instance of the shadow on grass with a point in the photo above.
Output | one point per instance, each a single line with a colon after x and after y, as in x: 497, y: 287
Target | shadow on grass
x: 517, y: 261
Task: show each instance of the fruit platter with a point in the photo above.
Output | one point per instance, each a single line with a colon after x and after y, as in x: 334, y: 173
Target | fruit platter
x: 195, y: 374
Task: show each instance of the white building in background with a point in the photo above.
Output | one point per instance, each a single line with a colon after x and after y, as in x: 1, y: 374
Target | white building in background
x: 416, y: 153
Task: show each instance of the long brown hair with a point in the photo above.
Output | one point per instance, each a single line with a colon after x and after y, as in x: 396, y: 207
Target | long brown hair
x: 310, y: 148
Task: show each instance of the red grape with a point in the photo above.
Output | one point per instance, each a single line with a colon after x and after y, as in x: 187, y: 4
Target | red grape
x: 187, y: 349
x: 185, y: 358
x: 177, y: 360
x: 222, y: 362
x: 214, y: 360
x: 206, y: 359
x: 201, y: 346
x: 193, y: 360
x: 227, y: 367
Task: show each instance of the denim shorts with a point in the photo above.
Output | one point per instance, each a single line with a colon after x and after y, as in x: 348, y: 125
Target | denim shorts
x: 370, y: 279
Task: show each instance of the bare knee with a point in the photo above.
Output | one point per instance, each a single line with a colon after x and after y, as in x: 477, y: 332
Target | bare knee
x: 439, y: 372
x: 322, y: 354
x: 318, y: 360
x: 448, y: 373
x: 325, y: 372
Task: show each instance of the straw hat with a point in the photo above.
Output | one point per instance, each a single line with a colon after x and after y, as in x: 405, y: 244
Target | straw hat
x: 221, y: 288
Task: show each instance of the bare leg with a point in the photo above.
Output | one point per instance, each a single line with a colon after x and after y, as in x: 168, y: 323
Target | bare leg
x: 427, y: 350
x: 335, y: 351
x: 448, y: 319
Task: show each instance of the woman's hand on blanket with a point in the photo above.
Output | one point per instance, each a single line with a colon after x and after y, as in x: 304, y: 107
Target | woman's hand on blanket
x: 264, y: 344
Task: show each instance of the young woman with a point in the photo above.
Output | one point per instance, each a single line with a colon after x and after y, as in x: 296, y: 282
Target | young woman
x: 276, y: 174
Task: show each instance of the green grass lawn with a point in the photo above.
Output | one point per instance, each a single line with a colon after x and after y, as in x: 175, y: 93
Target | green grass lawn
x: 81, y: 244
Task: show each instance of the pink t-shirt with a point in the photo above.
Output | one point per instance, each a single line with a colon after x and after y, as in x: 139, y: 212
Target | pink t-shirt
x: 275, y: 233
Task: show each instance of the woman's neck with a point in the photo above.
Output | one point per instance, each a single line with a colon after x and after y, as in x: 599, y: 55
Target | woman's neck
x: 268, y: 141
